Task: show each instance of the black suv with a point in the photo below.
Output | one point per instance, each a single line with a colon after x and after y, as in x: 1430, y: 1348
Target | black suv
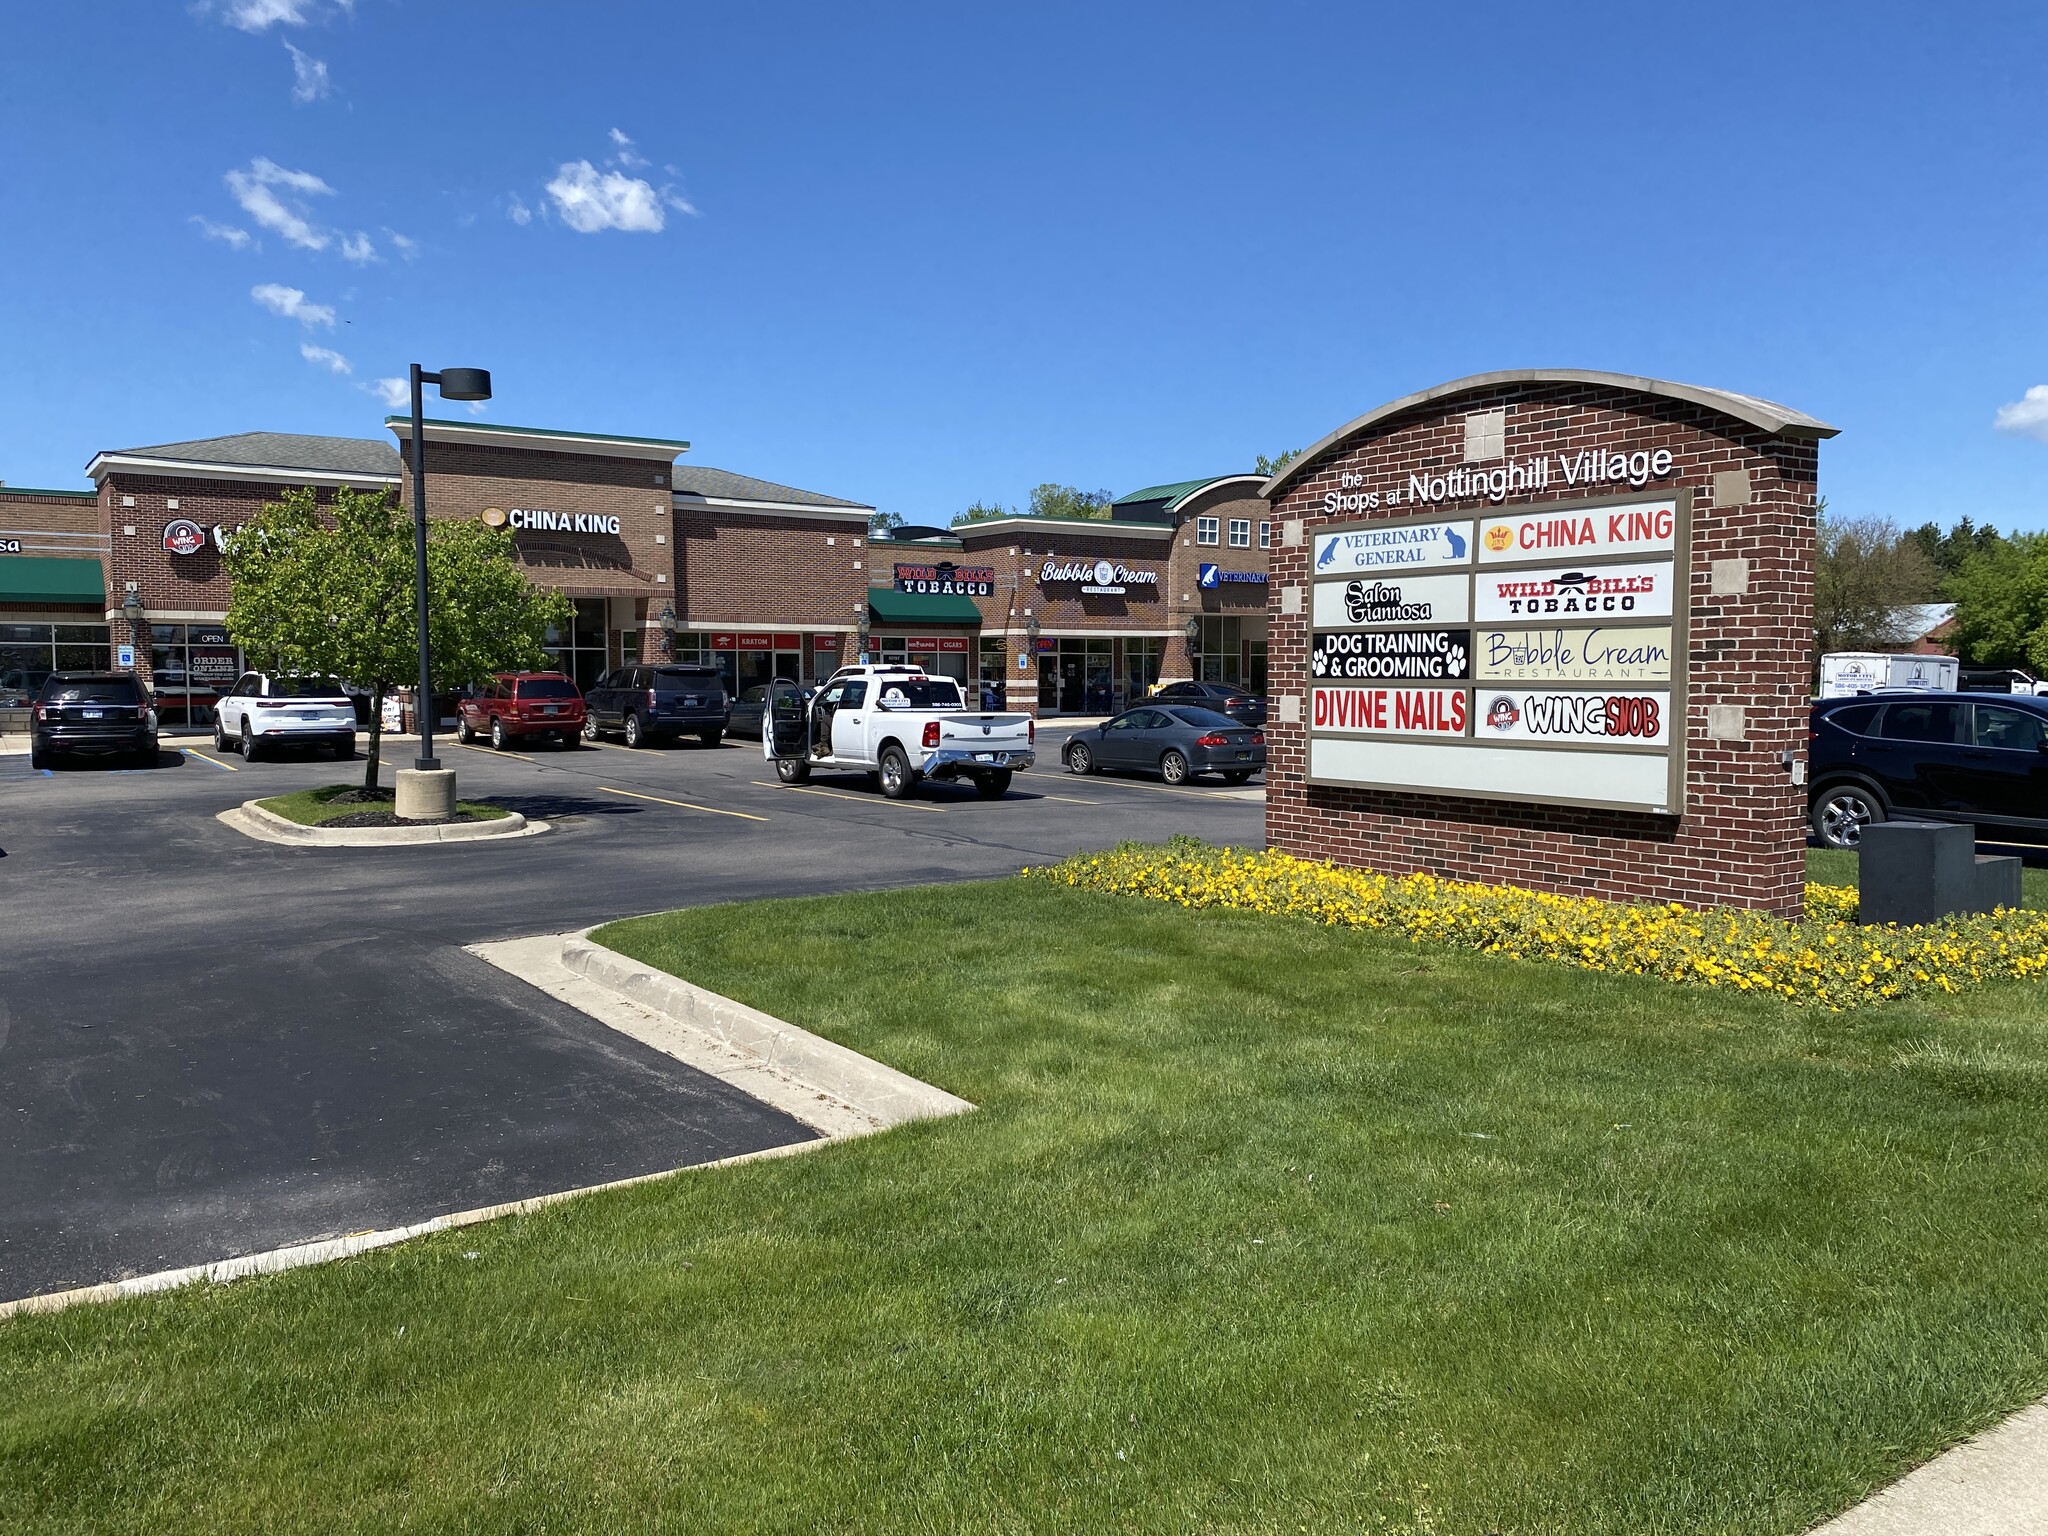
x: 656, y: 703
x: 1243, y: 707
x: 100, y: 712
x: 1976, y: 758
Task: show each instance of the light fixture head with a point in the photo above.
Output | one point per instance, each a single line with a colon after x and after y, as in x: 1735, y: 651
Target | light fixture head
x: 465, y: 383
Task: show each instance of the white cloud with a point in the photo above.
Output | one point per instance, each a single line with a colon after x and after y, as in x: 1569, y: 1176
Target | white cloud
x: 519, y: 213
x: 261, y: 15
x: 358, y: 248
x: 291, y: 304
x: 677, y: 201
x: 309, y: 76
x: 590, y: 201
x: 405, y: 244
x: 326, y: 357
x: 255, y: 190
x: 626, y: 155
x: 227, y: 234
x: 2027, y: 415
x: 395, y: 393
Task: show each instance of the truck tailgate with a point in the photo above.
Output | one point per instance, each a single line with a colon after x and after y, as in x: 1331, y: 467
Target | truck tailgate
x: 985, y: 733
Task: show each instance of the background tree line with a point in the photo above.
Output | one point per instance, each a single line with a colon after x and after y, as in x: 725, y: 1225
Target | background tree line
x: 1871, y: 574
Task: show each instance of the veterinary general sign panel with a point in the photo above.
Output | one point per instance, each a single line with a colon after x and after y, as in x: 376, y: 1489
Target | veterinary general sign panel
x: 1542, y: 648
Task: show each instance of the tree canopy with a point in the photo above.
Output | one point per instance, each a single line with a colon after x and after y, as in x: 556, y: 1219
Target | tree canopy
x: 1866, y: 575
x: 1271, y: 467
x: 334, y: 595
x: 2001, y: 597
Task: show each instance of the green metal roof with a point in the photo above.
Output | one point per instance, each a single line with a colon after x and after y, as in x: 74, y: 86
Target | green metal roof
x: 38, y: 490
x: 1179, y: 491
x: 892, y: 607
x: 51, y: 579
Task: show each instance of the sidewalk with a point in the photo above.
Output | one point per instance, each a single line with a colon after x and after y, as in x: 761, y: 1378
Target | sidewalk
x: 1994, y: 1485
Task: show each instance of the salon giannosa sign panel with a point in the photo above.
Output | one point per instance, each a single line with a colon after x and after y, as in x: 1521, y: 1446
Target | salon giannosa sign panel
x: 1531, y: 654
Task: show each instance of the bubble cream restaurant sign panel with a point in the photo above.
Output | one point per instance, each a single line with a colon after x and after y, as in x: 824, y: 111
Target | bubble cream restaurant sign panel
x: 1604, y: 655
x: 1582, y: 601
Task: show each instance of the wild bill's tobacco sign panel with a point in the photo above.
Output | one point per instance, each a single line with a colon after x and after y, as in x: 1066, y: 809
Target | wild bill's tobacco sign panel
x: 1537, y: 655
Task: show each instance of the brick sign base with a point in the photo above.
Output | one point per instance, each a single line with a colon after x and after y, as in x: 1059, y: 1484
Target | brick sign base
x: 1735, y: 835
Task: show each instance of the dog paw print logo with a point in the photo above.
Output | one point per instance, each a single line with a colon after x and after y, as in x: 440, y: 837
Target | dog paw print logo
x: 1319, y: 665
x: 1454, y: 660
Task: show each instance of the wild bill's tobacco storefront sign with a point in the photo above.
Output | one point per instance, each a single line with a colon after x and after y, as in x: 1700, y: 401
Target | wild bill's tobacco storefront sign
x: 947, y: 579
x: 1549, y: 628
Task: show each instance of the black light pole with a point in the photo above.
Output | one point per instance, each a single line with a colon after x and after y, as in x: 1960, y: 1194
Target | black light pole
x: 455, y: 384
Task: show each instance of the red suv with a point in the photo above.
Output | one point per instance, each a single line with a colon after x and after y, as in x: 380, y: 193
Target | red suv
x: 522, y: 706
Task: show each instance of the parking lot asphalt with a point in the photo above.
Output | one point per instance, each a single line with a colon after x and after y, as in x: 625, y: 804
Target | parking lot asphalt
x: 212, y: 1046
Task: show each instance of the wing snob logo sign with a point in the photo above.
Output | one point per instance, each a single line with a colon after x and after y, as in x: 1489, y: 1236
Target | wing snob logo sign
x: 1542, y: 647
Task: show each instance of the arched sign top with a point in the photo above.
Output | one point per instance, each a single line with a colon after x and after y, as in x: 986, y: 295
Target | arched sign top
x: 1765, y: 415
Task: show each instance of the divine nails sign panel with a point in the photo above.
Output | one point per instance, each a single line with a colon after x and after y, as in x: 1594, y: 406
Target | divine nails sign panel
x: 1582, y: 600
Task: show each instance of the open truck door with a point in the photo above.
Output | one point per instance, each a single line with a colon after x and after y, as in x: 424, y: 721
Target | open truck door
x: 786, y: 731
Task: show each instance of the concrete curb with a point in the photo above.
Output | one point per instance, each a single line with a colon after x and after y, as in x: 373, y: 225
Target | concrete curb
x: 276, y: 1261
x: 1993, y: 1485
x: 252, y: 820
x: 816, y: 1066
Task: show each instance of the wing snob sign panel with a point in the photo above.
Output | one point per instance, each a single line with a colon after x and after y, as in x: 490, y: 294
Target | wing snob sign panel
x: 1539, y: 654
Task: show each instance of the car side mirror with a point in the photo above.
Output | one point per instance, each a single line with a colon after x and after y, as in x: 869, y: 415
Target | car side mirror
x: 2041, y: 745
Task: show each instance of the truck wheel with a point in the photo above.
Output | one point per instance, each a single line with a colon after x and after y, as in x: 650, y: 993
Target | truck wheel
x: 463, y: 733
x: 1841, y: 812
x: 791, y: 771
x: 992, y: 786
x: 248, y: 742
x: 1174, y: 768
x: 635, y: 736
x: 1079, y: 759
x: 590, y: 727
x: 499, y: 740
x: 898, y: 782
x: 344, y: 748
x: 1237, y: 776
x: 712, y: 738
x: 220, y: 736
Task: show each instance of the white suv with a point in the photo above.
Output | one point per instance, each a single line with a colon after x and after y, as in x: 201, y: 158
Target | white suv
x: 263, y: 711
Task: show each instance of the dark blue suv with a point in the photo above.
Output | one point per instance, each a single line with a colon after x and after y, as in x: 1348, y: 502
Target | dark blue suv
x: 1969, y: 757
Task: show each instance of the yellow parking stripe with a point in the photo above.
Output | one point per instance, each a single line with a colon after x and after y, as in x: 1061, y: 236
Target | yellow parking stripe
x: 685, y: 804
x: 231, y: 768
x: 840, y: 794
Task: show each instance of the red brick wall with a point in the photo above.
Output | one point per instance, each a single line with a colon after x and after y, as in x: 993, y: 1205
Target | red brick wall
x: 802, y: 572
x: 1740, y: 839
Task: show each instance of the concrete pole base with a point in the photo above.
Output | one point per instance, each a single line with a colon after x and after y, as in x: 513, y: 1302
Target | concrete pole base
x: 425, y: 794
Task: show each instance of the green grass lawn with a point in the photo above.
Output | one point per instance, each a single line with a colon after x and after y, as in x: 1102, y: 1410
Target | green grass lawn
x: 1834, y: 866
x: 311, y: 807
x: 1260, y: 1226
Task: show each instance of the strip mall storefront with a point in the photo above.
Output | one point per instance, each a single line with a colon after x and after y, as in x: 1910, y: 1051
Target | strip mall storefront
x: 664, y: 561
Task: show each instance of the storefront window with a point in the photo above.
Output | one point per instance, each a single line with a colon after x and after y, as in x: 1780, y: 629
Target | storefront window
x: 190, y: 666
x: 994, y: 671
x: 1220, y: 658
x: 1141, y: 666
x: 578, y: 650
x: 31, y: 652
x: 1076, y: 677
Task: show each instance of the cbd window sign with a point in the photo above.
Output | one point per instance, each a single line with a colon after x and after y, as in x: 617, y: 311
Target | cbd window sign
x: 1397, y: 546
x: 947, y: 579
x: 1420, y: 655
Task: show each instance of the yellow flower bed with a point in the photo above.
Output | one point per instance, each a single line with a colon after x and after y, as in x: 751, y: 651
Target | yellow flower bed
x: 1825, y: 961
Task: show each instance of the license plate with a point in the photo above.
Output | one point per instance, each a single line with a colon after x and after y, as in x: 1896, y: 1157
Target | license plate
x: 690, y: 703
x: 984, y: 757
x: 94, y: 714
x: 549, y: 709
x: 1244, y: 754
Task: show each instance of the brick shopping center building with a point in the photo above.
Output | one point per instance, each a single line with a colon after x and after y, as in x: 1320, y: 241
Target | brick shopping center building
x: 665, y: 561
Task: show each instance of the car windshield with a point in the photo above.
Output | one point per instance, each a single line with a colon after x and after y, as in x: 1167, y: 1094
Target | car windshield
x: 918, y: 693
x: 92, y: 690
x: 306, y: 688
x: 1205, y: 719
x: 686, y: 677
x: 546, y: 688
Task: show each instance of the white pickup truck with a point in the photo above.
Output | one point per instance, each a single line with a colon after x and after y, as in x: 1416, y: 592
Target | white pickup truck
x: 897, y: 724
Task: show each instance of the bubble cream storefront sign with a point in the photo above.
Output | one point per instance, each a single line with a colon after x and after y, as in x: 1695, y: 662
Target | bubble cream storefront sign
x: 1583, y: 600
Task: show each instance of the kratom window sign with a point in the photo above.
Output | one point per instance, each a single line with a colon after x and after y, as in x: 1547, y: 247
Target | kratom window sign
x: 1565, y: 624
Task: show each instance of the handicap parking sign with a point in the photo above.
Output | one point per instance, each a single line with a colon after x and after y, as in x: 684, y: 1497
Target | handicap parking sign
x: 124, y: 656
x: 1208, y: 576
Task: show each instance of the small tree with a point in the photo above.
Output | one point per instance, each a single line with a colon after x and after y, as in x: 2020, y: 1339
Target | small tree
x: 2001, y: 598
x: 1052, y: 500
x: 335, y: 597
x: 1271, y: 467
x: 1867, y: 572
x: 982, y: 511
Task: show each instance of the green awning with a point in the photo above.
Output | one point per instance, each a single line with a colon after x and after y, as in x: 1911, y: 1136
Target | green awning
x: 51, y: 579
x: 892, y: 607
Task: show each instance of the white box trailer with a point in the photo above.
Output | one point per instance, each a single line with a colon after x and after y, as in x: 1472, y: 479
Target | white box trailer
x: 1845, y: 673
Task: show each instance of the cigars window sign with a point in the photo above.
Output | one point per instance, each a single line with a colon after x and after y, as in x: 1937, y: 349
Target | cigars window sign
x: 1524, y: 655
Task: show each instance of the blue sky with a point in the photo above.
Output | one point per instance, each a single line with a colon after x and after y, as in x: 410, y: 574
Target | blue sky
x: 923, y: 254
